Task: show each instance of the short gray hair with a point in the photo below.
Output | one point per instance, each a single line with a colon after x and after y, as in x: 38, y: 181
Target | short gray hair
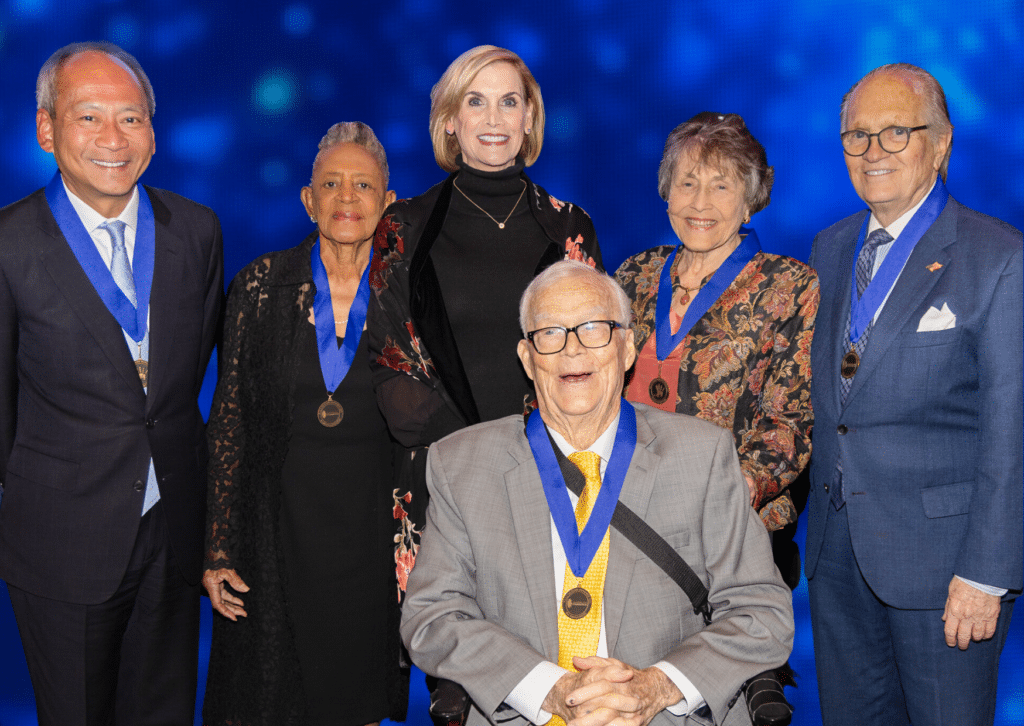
x: 562, y: 270
x: 720, y: 139
x: 922, y: 83
x: 358, y: 133
x: 46, y: 81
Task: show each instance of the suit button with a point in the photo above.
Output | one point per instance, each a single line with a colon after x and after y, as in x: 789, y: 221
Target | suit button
x: 138, y: 486
x: 841, y: 428
x: 826, y: 487
x: 150, y: 423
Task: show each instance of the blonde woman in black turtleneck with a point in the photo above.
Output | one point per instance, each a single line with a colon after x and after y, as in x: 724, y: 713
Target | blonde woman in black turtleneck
x: 452, y: 263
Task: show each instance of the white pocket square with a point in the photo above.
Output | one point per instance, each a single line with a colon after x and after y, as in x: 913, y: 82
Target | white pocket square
x: 936, y: 319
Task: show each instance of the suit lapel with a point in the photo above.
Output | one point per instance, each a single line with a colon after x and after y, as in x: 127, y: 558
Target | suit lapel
x: 532, y: 521
x: 911, y: 288
x: 165, y: 296
x: 835, y: 322
x: 636, y: 494
x: 69, y: 277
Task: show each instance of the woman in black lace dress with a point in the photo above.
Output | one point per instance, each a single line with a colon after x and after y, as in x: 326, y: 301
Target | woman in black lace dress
x: 299, y: 513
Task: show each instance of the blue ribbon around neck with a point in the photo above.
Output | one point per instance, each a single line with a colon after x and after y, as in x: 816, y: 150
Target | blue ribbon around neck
x: 862, y: 311
x: 706, y: 296
x: 581, y: 548
x: 133, y: 320
x: 336, y: 360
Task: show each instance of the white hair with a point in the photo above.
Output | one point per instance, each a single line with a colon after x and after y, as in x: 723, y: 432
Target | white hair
x: 562, y: 270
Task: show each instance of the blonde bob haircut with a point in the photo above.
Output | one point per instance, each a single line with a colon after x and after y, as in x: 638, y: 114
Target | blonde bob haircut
x: 447, y: 94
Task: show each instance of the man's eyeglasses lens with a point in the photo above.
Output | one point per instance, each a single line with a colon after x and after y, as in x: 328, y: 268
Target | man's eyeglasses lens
x: 592, y: 334
x: 893, y: 139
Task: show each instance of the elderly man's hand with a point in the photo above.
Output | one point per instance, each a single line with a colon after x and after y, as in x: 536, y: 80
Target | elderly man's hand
x: 970, y: 614
x: 609, y: 690
x: 601, y: 675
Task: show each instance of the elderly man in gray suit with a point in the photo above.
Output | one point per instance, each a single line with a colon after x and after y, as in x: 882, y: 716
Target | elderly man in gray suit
x: 546, y: 613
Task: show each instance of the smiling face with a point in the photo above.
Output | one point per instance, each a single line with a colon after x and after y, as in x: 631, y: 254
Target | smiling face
x: 100, y: 134
x: 891, y: 184
x: 492, y: 119
x: 706, y: 205
x: 347, y: 196
x: 577, y: 387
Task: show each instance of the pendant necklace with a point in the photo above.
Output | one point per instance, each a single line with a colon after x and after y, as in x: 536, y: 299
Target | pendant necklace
x: 501, y: 225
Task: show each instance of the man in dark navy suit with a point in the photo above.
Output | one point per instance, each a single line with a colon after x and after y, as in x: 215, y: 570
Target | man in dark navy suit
x: 110, y: 294
x: 914, y: 552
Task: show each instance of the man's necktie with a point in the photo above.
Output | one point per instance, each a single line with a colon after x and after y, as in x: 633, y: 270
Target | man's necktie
x: 119, y: 266
x: 580, y: 637
x: 864, y: 272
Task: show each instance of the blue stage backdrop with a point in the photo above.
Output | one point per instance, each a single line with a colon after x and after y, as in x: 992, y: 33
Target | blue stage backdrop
x: 245, y: 90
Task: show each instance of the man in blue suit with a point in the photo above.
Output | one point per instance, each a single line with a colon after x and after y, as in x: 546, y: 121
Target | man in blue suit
x: 914, y: 540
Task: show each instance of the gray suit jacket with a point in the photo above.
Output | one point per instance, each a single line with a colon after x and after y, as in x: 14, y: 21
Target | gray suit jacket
x: 481, y: 603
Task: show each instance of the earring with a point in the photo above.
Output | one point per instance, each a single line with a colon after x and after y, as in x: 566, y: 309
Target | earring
x: 312, y: 219
x: 529, y: 130
x: 747, y: 220
x: 449, y: 131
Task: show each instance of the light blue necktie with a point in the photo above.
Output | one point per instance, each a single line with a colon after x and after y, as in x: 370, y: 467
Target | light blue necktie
x: 121, y: 270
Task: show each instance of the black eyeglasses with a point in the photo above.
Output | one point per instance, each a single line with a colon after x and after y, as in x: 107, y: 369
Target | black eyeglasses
x: 591, y: 334
x: 893, y: 139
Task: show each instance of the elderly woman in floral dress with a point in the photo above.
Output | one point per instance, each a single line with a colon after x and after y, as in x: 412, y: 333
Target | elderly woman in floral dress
x: 723, y: 329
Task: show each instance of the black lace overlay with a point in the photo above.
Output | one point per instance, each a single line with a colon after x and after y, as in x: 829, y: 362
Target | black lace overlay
x: 255, y: 677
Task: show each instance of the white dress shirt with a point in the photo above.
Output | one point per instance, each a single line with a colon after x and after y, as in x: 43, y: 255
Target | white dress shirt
x: 529, y: 694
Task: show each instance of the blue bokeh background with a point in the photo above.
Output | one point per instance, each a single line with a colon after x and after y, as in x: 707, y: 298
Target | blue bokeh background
x: 245, y: 90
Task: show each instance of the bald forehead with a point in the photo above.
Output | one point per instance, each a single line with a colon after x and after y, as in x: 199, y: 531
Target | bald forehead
x: 92, y: 63
x: 893, y: 90
x: 575, y: 295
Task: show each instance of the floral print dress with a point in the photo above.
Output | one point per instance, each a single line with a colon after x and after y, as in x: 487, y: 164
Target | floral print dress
x: 744, y: 366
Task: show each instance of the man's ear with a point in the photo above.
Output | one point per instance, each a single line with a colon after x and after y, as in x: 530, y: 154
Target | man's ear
x: 523, y: 349
x: 44, y: 130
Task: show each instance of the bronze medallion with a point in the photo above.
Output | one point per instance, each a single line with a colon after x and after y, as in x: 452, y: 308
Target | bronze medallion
x: 658, y: 390
x: 330, y: 413
x: 851, y: 362
x: 143, y: 368
x: 576, y: 603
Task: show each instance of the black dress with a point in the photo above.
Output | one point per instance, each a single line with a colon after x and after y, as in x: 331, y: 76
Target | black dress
x: 303, y: 513
x: 335, y: 522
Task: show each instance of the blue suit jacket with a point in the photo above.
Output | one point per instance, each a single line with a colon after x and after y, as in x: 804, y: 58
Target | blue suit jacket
x: 931, y: 431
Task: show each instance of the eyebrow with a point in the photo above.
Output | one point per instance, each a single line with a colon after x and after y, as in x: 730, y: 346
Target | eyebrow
x: 504, y: 95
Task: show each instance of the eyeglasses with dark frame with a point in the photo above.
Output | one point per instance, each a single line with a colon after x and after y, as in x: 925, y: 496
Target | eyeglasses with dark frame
x: 591, y: 334
x: 892, y: 139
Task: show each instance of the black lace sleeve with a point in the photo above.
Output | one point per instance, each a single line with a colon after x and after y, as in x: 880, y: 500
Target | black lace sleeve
x: 225, y: 433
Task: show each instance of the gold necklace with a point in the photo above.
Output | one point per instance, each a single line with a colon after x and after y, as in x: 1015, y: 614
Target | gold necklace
x: 501, y: 225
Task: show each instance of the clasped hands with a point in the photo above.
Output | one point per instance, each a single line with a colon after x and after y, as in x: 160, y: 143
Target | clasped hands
x: 606, y: 690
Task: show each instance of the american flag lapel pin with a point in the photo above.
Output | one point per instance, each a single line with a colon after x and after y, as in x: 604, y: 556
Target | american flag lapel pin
x: 934, y: 267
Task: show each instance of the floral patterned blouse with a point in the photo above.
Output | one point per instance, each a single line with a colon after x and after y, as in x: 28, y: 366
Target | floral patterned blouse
x: 745, y: 366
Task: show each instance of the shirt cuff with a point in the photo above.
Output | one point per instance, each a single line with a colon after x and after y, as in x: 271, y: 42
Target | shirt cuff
x: 528, y: 696
x: 987, y: 589
x: 692, y: 700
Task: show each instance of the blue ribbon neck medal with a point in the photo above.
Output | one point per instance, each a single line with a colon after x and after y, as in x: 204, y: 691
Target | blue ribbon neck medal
x: 720, y: 280
x: 335, y: 360
x: 133, y: 319
x: 580, y: 547
x: 864, y: 308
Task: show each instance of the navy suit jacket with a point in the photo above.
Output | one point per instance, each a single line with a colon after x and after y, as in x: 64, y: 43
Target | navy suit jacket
x: 77, y: 430
x: 931, y: 431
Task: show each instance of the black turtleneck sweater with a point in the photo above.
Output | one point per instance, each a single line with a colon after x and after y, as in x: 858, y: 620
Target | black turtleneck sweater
x: 482, y: 271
